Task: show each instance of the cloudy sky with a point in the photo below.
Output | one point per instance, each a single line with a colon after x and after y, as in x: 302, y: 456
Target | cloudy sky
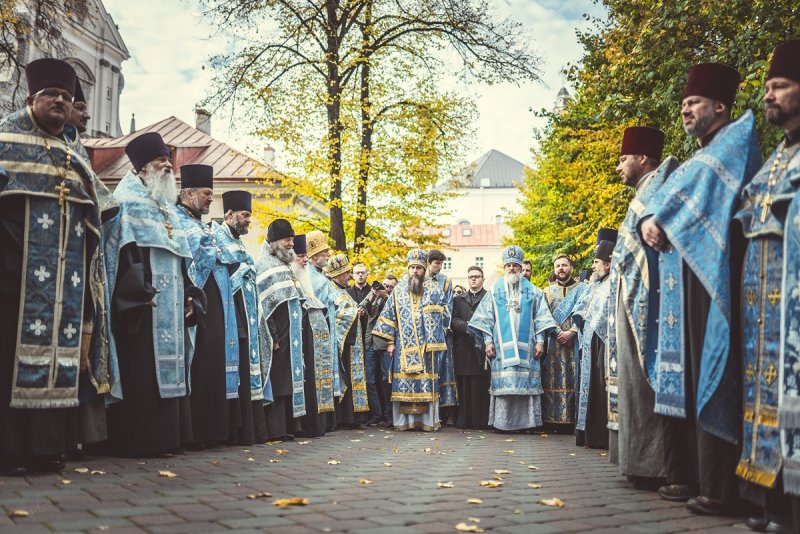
x: 170, y: 43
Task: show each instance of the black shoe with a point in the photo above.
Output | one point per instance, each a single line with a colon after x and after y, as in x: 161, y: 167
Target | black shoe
x: 288, y: 437
x: 46, y: 466
x: 757, y: 523
x: 676, y: 492
x: 706, y: 506
x: 12, y: 471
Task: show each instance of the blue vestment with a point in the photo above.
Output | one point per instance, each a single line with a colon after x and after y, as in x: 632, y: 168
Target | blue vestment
x: 143, y: 221
x: 346, y: 315
x: 448, y: 393
x: 207, y: 260
x: 694, y: 210
x: 322, y: 290
x: 591, y: 313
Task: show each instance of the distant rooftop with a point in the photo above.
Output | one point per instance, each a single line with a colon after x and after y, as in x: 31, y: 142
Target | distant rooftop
x: 492, y: 170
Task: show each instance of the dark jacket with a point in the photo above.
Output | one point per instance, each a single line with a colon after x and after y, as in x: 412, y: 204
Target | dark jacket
x: 467, y: 360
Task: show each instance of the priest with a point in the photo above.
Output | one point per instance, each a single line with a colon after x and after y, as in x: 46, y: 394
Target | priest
x: 153, y: 303
x: 237, y: 208
x: 50, y: 217
x: 697, y: 385
x: 281, y: 330
x: 636, y: 437
x: 514, y: 318
x: 413, y: 323
x: 214, y: 376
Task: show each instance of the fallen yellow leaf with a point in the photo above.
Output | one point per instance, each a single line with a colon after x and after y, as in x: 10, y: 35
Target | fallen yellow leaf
x: 572, y: 454
x: 65, y: 481
x: 511, y: 440
x: 509, y: 451
x: 464, y: 527
x: 260, y: 495
x: 303, y: 442
x: 274, y: 442
x: 387, y: 464
x: 545, y: 435
x: 474, y: 501
x: 502, y: 472
x: 355, y: 440
x: 517, y: 511
x: 294, y: 501
x: 603, y: 454
x: 533, y: 468
x: 444, y: 485
x: 364, y: 481
x: 555, y: 501
x: 81, y: 470
x: 534, y: 486
x: 251, y: 459
x: 98, y: 472
x: 281, y: 451
x: 19, y: 513
x: 474, y: 519
x: 274, y: 461
x: 168, y: 474
x: 396, y: 449
x: 246, y: 450
x: 490, y: 483
x: 215, y: 462
x: 334, y: 462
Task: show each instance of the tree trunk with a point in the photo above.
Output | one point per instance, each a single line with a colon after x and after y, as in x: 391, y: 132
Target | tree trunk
x: 333, y: 106
x: 365, y: 160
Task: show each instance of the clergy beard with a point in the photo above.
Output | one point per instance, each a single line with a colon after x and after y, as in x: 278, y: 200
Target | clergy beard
x: 512, y: 279
x: 303, y: 277
x: 286, y: 256
x: 701, y: 123
x: 160, y: 184
x: 415, y: 284
x: 241, y: 228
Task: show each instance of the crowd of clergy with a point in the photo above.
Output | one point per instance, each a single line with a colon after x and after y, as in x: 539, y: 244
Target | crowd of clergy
x: 130, y: 326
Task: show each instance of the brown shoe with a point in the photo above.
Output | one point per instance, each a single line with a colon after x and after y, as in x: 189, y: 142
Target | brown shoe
x: 676, y: 492
x: 706, y: 506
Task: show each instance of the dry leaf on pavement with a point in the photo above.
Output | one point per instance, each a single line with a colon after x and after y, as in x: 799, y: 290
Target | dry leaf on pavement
x: 444, y: 485
x: 511, y: 440
x: 274, y: 442
x: 555, y: 501
x: 545, y: 435
x: 19, y: 513
x: 167, y: 474
x: 464, y: 527
x: 355, y: 440
x: 365, y: 481
x: 65, y: 481
x: 303, y: 442
x: 490, y: 483
x: 502, y: 472
x: 281, y: 451
x: 334, y: 462
x: 294, y: 501
x: 603, y: 454
x: 534, y: 486
x: 274, y: 461
x: 509, y: 451
x: 387, y: 464
x: 260, y: 495
x: 82, y: 470
x: 474, y: 501
x: 474, y: 519
x: 97, y: 472
x: 533, y: 468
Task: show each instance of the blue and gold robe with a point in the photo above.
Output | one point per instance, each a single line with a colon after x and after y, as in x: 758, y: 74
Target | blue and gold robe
x: 447, y: 372
x: 346, y: 315
x: 63, y: 200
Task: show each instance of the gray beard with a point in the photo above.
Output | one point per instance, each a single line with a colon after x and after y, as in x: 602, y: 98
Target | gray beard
x: 415, y: 285
x: 286, y: 256
x: 303, y: 277
x: 160, y: 185
x: 512, y: 279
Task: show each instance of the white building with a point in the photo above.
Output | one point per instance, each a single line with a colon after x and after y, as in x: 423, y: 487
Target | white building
x: 475, y: 226
x: 92, y: 44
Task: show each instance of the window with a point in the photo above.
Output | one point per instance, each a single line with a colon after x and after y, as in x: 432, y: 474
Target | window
x: 446, y: 232
x: 448, y: 264
x: 498, y: 219
x: 108, y: 93
x: 479, y: 261
x: 466, y: 231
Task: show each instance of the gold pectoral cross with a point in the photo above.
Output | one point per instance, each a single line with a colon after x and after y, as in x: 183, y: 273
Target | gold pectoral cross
x: 169, y: 228
x: 63, y: 191
x: 766, y: 202
x: 774, y: 296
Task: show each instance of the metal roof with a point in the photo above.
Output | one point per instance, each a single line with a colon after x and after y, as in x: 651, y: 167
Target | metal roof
x: 492, y: 170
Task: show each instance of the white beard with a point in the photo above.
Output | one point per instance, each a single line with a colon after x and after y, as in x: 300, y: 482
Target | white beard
x: 160, y: 185
x: 303, y: 277
x: 512, y: 279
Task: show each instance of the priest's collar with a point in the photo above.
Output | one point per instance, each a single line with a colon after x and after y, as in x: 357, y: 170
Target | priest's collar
x: 705, y: 141
x: 234, y: 233
x: 338, y: 284
x: 792, y: 137
x: 191, y: 211
x: 602, y: 278
x: 568, y: 283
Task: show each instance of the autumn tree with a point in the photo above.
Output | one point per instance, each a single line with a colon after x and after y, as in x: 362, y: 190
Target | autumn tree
x: 632, y: 73
x: 323, y: 59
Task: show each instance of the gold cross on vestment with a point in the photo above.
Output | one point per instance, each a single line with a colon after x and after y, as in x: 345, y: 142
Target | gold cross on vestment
x: 766, y: 202
x: 63, y: 191
x: 169, y: 228
x: 750, y: 295
x: 749, y: 373
x: 774, y: 296
x: 770, y: 374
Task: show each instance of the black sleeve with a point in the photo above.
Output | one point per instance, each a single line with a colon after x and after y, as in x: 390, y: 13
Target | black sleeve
x: 132, y: 291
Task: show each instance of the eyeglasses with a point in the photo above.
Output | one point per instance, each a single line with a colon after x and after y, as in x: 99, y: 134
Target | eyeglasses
x: 474, y: 276
x: 54, y: 93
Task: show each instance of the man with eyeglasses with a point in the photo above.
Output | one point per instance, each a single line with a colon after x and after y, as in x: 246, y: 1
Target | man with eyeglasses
x: 50, y: 216
x: 472, y: 371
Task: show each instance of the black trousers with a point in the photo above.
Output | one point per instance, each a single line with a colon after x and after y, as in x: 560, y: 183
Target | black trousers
x: 692, y: 456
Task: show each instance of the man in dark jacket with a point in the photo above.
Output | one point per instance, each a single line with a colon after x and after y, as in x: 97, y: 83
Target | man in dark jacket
x: 472, y: 375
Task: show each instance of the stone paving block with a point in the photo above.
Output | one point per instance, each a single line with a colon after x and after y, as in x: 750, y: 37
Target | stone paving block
x: 89, y: 524
x: 128, y: 511
x: 186, y: 528
x: 257, y: 522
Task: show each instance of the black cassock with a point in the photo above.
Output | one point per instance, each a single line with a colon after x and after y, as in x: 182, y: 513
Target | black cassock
x: 143, y: 423
x: 472, y: 375
x: 312, y: 424
x: 253, y: 424
x: 345, y: 412
x: 596, y: 433
x: 280, y: 417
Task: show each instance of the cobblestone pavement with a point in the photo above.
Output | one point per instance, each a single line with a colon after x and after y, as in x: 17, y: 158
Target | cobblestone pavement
x: 372, y: 480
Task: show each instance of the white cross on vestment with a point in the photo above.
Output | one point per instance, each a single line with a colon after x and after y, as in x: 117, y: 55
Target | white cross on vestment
x: 70, y: 331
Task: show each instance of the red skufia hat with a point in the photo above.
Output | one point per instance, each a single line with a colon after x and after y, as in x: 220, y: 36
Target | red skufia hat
x: 785, y: 61
x: 642, y: 141
x: 50, y: 72
x: 713, y: 80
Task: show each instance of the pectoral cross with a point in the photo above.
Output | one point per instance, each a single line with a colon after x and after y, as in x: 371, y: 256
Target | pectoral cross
x: 169, y: 228
x: 766, y: 202
x: 63, y: 190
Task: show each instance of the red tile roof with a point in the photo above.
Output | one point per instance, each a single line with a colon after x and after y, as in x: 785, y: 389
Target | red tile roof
x: 483, y: 235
